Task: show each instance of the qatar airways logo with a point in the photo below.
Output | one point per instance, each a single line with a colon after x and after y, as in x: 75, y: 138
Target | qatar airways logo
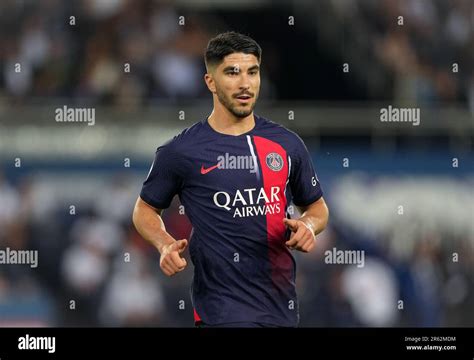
x: 250, y: 202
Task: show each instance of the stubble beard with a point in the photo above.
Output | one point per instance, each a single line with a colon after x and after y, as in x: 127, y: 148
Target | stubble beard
x: 234, y: 109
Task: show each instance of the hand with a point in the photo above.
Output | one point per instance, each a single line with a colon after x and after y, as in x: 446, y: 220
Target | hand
x: 302, y: 236
x: 170, y: 261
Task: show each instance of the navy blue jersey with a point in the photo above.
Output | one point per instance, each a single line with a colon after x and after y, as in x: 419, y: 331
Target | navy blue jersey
x: 236, y: 191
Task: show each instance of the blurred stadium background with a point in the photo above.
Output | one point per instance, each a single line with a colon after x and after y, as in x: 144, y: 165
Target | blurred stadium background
x: 402, y: 193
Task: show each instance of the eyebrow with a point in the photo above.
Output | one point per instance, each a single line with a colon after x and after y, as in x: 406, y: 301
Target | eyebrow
x: 232, y: 68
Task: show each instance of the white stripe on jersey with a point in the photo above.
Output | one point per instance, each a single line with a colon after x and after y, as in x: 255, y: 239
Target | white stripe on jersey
x: 249, y: 140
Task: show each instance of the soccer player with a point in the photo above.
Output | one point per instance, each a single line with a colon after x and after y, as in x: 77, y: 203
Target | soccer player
x: 236, y: 174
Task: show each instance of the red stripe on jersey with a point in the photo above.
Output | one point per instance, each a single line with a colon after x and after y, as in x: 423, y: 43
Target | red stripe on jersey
x: 274, y: 170
x: 197, y: 318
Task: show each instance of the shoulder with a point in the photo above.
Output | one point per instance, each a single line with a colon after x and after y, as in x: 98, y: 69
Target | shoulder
x: 291, y: 140
x: 181, y: 142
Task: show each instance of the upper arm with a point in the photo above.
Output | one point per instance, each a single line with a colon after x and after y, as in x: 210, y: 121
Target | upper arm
x: 305, y: 186
x: 164, y: 179
x: 143, y: 205
x: 318, y: 204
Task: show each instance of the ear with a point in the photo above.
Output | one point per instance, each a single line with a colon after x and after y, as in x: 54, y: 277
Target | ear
x: 208, y: 78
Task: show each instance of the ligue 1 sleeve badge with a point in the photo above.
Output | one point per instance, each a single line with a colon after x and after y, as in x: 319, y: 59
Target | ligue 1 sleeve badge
x: 274, y: 161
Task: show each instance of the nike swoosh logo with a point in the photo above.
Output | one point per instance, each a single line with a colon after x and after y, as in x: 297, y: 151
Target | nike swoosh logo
x: 205, y: 171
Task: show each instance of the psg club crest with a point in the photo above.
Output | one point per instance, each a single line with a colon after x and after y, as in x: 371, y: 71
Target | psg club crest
x: 274, y: 161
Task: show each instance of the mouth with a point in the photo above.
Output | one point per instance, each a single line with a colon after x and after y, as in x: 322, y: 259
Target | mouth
x: 244, y: 98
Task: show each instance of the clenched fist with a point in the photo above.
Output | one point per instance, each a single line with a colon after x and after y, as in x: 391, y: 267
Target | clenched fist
x: 302, y: 236
x: 170, y: 261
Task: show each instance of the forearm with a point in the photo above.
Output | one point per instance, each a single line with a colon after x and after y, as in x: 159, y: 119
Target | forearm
x: 316, y: 216
x: 150, y: 226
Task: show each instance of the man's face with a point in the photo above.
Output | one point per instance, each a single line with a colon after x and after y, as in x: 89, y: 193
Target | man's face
x: 237, y: 83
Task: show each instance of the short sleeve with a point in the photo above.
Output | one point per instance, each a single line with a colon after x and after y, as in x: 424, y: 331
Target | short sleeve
x: 304, y: 182
x: 163, y: 181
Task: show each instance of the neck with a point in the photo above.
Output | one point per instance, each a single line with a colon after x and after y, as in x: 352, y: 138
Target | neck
x: 223, y: 121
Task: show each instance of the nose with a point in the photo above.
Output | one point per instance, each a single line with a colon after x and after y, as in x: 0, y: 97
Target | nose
x: 244, y: 82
